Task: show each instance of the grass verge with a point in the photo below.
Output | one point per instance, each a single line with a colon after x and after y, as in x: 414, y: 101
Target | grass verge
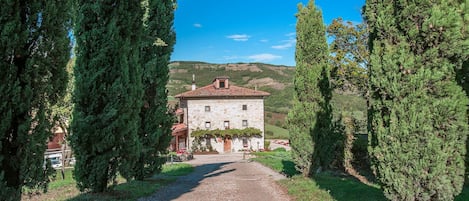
x: 65, y: 189
x: 324, y: 186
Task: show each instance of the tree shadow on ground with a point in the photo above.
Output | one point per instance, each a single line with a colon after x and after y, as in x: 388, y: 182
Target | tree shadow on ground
x: 164, y: 187
x: 289, y: 169
x: 347, y: 188
x: 187, y: 183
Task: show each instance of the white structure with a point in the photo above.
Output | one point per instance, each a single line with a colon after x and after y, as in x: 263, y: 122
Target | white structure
x: 222, y: 106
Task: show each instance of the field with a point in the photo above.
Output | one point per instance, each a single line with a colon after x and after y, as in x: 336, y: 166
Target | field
x: 65, y: 189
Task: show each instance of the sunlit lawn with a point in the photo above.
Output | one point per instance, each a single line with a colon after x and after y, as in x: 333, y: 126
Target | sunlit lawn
x: 325, y: 186
x: 65, y: 189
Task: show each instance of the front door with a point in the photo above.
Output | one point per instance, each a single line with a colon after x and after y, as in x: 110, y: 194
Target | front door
x: 227, y: 145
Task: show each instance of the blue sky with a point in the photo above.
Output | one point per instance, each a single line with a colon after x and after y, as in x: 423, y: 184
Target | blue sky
x: 232, y: 31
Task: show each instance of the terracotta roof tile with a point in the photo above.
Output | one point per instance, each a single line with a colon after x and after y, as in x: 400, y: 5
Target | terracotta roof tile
x: 179, y: 127
x: 232, y: 91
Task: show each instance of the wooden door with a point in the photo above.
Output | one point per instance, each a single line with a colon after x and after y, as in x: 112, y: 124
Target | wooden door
x: 227, y: 145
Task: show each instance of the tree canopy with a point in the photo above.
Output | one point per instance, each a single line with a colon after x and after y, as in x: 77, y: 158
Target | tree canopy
x: 35, y: 49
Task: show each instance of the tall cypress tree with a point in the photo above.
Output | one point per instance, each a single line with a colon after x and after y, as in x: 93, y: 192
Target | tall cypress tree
x: 417, y: 115
x: 34, y: 51
x: 309, y: 120
x: 108, y: 92
x: 157, y: 45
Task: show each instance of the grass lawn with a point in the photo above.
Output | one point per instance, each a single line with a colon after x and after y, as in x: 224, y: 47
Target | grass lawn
x: 325, y: 186
x: 275, y: 132
x: 65, y: 189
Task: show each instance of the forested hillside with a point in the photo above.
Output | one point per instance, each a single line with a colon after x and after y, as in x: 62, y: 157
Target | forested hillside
x: 277, y: 80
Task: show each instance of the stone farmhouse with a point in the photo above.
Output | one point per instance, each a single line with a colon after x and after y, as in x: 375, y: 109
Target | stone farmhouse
x: 219, y: 107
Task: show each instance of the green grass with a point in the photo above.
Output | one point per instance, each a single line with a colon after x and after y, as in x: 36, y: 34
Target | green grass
x: 277, y: 160
x: 278, y: 132
x: 58, y: 182
x: 304, y: 189
x: 65, y: 189
x: 177, y: 169
x: 323, y: 187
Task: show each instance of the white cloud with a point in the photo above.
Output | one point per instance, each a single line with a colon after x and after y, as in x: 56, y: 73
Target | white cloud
x: 197, y: 25
x: 285, y: 45
x: 291, y: 34
x: 239, y: 37
x: 263, y: 57
x: 264, y: 40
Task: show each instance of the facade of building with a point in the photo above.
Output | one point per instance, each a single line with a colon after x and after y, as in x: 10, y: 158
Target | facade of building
x: 221, y: 106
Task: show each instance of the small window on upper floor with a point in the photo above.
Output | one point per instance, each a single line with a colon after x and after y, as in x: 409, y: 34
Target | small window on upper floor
x: 222, y: 84
x: 245, y: 123
x: 207, y: 124
x: 207, y: 108
x: 245, y: 107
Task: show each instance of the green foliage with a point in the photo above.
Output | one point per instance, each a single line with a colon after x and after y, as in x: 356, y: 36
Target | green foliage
x: 34, y: 53
x: 156, y: 121
x: 267, y: 145
x: 246, y: 132
x: 417, y: 119
x: 349, y: 55
x: 108, y: 92
x: 310, y: 118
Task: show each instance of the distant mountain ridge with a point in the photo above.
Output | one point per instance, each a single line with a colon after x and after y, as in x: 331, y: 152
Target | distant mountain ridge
x: 277, y: 80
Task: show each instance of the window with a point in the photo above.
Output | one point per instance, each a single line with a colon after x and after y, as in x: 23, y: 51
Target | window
x: 245, y: 142
x: 245, y: 123
x: 245, y: 107
x: 222, y: 84
x: 207, y: 108
x: 226, y: 124
x: 208, y: 142
x: 207, y: 124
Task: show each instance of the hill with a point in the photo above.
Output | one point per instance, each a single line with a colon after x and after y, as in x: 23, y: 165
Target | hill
x: 277, y: 80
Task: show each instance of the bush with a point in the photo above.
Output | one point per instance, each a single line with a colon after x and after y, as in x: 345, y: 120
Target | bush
x: 266, y: 145
x: 280, y: 149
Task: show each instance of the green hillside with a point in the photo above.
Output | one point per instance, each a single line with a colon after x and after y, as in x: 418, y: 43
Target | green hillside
x: 277, y: 80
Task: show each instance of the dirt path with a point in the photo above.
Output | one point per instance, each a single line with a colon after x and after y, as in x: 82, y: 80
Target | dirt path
x: 224, y: 177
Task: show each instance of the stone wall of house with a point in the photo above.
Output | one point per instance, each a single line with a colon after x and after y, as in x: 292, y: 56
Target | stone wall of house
x: 222, y: 112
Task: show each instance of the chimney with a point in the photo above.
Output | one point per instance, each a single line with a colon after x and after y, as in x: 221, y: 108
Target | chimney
x: 193, y: 82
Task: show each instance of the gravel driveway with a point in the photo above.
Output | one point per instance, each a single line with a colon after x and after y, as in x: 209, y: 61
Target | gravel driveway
x: 224, y: 177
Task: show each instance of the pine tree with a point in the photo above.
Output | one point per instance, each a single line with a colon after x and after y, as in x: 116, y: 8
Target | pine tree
x: 155, y: 130
x: 417, y: 115
x: 108, y: 92
x: 34, y: 49
x: 309, y: 121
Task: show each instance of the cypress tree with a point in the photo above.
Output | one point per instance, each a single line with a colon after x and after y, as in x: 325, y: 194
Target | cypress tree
x: 156, y: 122
x: 108, y: 92
x: 309, y: 121
x: 417, y: 114
x: 34, y: 49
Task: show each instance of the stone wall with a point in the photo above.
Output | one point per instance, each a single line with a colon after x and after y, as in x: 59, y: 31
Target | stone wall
x: 226, y: 110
